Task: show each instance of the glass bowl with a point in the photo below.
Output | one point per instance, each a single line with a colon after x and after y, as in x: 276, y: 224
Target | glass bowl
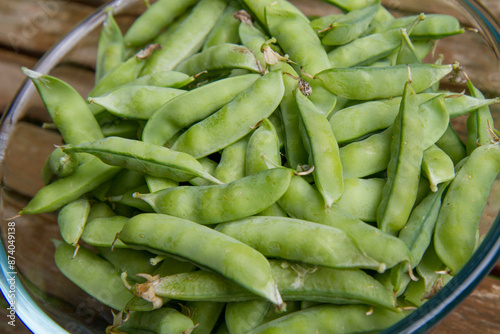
x: 48, y: 303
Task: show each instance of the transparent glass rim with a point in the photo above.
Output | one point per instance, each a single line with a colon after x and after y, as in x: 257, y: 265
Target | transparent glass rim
x: 419, y: 321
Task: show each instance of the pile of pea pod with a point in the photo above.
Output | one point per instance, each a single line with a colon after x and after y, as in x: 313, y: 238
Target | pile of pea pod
x: 239, y: 167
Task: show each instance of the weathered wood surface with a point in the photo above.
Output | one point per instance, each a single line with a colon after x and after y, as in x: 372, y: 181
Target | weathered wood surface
x: 31, y: 27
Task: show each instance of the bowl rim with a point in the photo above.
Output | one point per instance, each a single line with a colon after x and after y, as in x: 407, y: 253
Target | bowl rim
x: 419, y: 321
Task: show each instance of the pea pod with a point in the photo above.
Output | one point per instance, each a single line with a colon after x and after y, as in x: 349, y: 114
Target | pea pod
x: 235, y: 120
x: 297, y: 39
x: 302, y: 201
x: 221, y: 57
x: 321, y: 319
x: 455, y: 235
x: 296, y: 281
x: 111, y: 48
x: 240, y: 317
x: 361, y: 197
x: 172, y: 79
x: 365, y: 83
x: 218, y: 203
x: 145, y: 158
x: 154, y: 19
x: 66, y: 107
x: 263, y: 145
x: 205, y: 247
x: 451, y: 143
x: 361, y: 119
x: 350, y: 5
x: 71, y: 220
x: 231, y: 166
x: 478, y: 123
x: 102, y: 232
x: 434, y: 26
x: 102, y: 282
x: 204, y: 315
x: 403, y: 171
x: 366, y: 49
x: 437, y: 166
x: 193, y: 106
x: 226, y: 28
x: 350, y: 26
x: 165, y: 320
x: 136, y: 102
x: 298, y: 240
x: 323, y: 150
x: 85, y: 178
x: 187, y: 38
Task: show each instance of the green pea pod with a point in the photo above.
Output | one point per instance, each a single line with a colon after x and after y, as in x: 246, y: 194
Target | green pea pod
x: 407, y: 53
x: 231, y: 166
x: 128, y: 199
x: 452, y: 145
x: 437, y: 166
x: 206, y: 247
x: 455, y: 235
x: 159, y: 183
x: 158, y: 16
x: 297, y: 39
x: 253, y: 38
x: 209, y: 167
x: 67, y: 109
x: 243, y: 316
x: 418, y: 231
x: 129, y: 260
x: 297, y: 240
x: 71, y: 220
x: 221, y: 57
x: 350, y: 26
x: 193, y: 106
x: 350, y: 5
x: 60, y: 164
x: 258, y: 9
x: 136, y: 102
x: 478, y: 123
x: 204, y: 315
x: 434, y: 26
x: 125, y: 180
x: 172, y: 79
x: 100, y: 210
x: 296, y: 281
x: 226, y: 28
x: 432, y: 279
x: 366, y: 49
x: 85, y: 178
x: 321, y: 319
x: 102, y: 231
x: 145, y: 158
x: 368, y: 156
x: 263, y: 145
x: 296, y: 154
x: 323, y: 150
x: 126, y: 72
x: 302, y: 201
x: 366, y: 83
x: 404, y: 167
x: 123, y: 128
x: 165, y: 320
x: 235, y: 120
x: 111, y: 48
x: 94, y: 275
x: 364, y: 118
x: 218, y: 203
x: 361, y: 198
x: 188, y: 38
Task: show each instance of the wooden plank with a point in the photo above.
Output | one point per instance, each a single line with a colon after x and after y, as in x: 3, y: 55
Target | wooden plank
x: 478, y: 313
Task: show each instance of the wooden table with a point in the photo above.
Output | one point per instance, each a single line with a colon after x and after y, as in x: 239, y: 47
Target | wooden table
x: 29, y: 28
